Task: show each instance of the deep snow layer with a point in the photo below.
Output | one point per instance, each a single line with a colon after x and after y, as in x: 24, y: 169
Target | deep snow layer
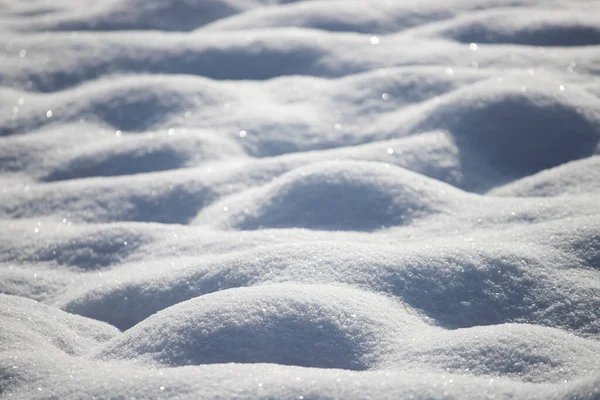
x: 300, y: 199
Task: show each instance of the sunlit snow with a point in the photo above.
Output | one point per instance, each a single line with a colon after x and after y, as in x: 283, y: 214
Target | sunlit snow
x: 307, y: 199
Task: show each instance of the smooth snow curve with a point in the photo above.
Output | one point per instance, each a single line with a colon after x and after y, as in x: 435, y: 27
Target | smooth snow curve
x: 306, y: 199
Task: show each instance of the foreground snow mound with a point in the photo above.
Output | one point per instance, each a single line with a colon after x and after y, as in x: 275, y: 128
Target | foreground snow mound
x: 525, y: 352
x: 248, y: 381
x: 311, y: 326
x: 457, y: 283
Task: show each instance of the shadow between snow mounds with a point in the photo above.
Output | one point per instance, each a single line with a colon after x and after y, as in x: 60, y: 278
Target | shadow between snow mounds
x: 468, y: 294
x: 119, y: 163
x: 177, y: 205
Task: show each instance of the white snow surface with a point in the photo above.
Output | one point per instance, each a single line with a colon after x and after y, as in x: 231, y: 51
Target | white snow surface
x: 308, y: 199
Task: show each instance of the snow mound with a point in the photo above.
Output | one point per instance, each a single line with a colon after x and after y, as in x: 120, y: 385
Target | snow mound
x: 268, y: 380
x: 179, y: 15
x: 534, y: 27
x: 458, y: 285
x: 311, y: 326
x: 525, y: 352
x: 378, y: 17
x: 335, y: 195
x: 580, y: 239
x: 134, y: 155
x: 565, y: 179
x: 81, y: 248
x: 515, y: 129
x: 125, y: 104
x: 217, y: 57
x: 27, y: 324
x: 107, y: 200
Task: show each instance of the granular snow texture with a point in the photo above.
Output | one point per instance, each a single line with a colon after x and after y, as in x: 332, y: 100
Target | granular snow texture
x: 308, y: 199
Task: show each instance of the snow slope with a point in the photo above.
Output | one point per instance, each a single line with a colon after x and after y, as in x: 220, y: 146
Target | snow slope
x: 306, y: 199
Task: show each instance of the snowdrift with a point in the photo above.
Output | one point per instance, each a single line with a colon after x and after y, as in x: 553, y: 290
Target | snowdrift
x: 307, y: 199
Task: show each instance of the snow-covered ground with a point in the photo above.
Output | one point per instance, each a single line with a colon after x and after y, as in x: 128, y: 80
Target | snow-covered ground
x: 299, y: 199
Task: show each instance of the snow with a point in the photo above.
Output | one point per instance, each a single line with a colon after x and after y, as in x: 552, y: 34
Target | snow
x: 299, y: 199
